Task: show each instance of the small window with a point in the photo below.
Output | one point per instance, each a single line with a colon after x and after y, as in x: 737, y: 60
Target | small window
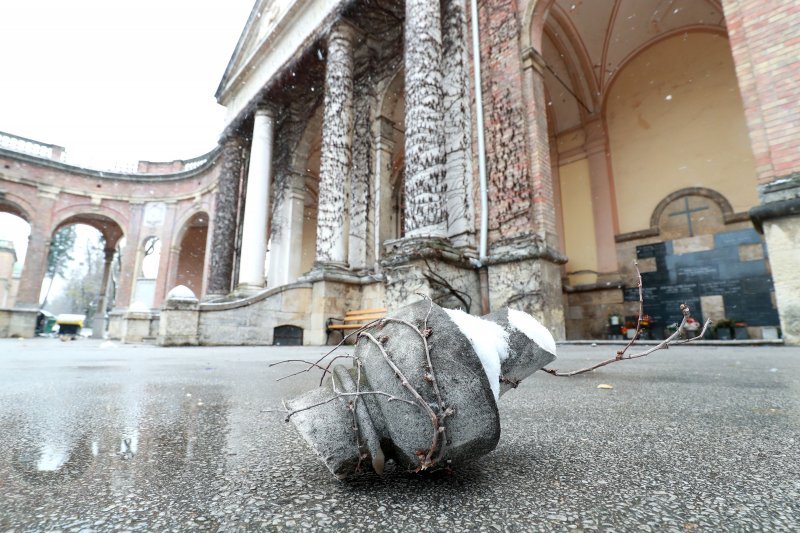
x: 287, y: 336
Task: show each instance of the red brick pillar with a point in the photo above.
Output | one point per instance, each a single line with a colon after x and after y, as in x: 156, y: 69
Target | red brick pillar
x: 765, y: 42
x: 127, y: 270
x: 35, y: 267
x: 524, y: 262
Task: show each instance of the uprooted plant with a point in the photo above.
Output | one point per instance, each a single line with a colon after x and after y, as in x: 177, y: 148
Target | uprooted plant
x: 393, y: 385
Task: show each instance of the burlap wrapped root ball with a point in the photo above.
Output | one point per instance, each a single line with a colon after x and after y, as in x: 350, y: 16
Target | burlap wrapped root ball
x: 422, y: 389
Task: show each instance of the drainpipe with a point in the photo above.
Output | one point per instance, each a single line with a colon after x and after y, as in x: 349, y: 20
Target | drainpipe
x: 483, y: 273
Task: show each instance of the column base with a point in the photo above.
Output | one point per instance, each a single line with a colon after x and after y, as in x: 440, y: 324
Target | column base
x: 778, y: 218
x: 525, y: 274
x: 19, y: 322
x: 248, y: 289
x: 179, y: 322
x: 99, y: 327
x: 413, y: 266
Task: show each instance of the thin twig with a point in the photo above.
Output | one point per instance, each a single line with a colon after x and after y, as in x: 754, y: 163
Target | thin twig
x: 436, y: 278
x: 663, y: 345
x: 337, y: 394
x: 641, y: 312
x: 443, y: 413
x: 311, y: 365
x: 344, y: 339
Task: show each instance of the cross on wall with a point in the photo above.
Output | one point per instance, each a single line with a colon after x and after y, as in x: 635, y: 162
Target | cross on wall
x: 688, y: 212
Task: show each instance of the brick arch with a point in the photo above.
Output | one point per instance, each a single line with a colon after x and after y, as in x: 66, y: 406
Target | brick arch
x: 188, y: 265
x: 16, y: 205
x: 182, y: 223
x: 714, y: 196
x: 533, y: 24
x: 109, y: 222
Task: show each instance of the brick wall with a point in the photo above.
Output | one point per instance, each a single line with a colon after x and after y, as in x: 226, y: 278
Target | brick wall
x: 765, y: 40
x: 510, y: 193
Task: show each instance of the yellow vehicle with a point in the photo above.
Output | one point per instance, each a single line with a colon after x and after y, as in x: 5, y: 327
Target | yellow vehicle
x: 69, y: 326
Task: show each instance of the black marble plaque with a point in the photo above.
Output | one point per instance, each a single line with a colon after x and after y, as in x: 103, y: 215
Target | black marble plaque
x: 745, y: 286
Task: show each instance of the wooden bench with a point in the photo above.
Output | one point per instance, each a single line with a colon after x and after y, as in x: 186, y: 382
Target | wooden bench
x: 354, y: 320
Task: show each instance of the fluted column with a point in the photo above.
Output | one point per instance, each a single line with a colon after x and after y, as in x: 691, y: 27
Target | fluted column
x: 337, y: 141
x: 99, y: 322
x: 223, y: 238
x: 426, y: 215
x: 286, y: 250
x: 384, y: 146
x: 457, y: 124
x: 256, y: 207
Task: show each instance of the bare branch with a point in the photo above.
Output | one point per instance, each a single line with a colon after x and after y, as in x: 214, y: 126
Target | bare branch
x: 672, y: 340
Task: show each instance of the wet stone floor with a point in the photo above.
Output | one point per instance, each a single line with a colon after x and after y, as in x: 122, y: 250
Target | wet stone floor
x: 101, y: 436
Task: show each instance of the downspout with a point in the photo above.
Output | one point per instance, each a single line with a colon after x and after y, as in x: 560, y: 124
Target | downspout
x: 483, y: 274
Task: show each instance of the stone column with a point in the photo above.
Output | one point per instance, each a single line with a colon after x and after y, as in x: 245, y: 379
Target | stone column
x: 361, y: 185
x: 257, y: 206
x: 99, y: 322
x: 426, y: 215
x: 286, y: 252
x: 384, y: 146
x: 337, y: 141
x: 223, y: 238
x: 603, y: 200
x: 457, y: 125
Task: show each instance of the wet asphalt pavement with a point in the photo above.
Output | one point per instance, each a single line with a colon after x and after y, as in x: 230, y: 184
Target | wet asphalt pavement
x: 101, y: 437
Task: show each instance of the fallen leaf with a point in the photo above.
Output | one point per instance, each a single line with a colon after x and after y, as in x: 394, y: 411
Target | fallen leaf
x: 605, y: 386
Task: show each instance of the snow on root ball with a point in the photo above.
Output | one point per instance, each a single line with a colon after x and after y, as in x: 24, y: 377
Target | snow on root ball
x: 422, y: 389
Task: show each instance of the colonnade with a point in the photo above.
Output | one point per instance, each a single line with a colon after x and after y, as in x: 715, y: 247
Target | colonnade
x: 425, y: 202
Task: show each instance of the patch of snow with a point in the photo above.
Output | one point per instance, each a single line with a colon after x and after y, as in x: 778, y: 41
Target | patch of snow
x: 181, y: 292
x: 107, y: 344
x: 533, y: 329
x: 488, y: 339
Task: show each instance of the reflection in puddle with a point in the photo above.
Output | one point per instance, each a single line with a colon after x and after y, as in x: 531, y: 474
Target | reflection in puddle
x: 129, y: 445
x: 129, y: 437
x: 52, y: 458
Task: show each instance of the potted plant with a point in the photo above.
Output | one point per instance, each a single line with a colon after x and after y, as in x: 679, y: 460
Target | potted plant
x: 740, y: 330
x: 723, y: 329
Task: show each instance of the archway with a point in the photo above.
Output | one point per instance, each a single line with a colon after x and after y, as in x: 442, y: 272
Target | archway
x: 14, y: 233
x: 147, y: 272
x: 637, y: 112
x: 192, y: 239
x: 76, y: 279
x: 82, y: 249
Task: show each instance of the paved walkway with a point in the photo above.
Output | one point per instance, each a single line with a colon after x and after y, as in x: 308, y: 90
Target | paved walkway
x: 104, y: 436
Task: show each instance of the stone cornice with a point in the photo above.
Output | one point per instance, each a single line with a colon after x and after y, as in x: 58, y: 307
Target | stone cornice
x: 64, y: 167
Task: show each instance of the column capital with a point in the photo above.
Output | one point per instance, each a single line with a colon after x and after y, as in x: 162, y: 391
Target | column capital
x: 347, y: 30
x: 266, y: 110
x: 596, y: 137
x: 533, y: 59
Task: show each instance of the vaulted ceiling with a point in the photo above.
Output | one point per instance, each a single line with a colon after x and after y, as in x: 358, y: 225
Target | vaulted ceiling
x: 586, y: 42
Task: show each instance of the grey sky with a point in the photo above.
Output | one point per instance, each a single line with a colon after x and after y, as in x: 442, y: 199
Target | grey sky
x: 117, y: 80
